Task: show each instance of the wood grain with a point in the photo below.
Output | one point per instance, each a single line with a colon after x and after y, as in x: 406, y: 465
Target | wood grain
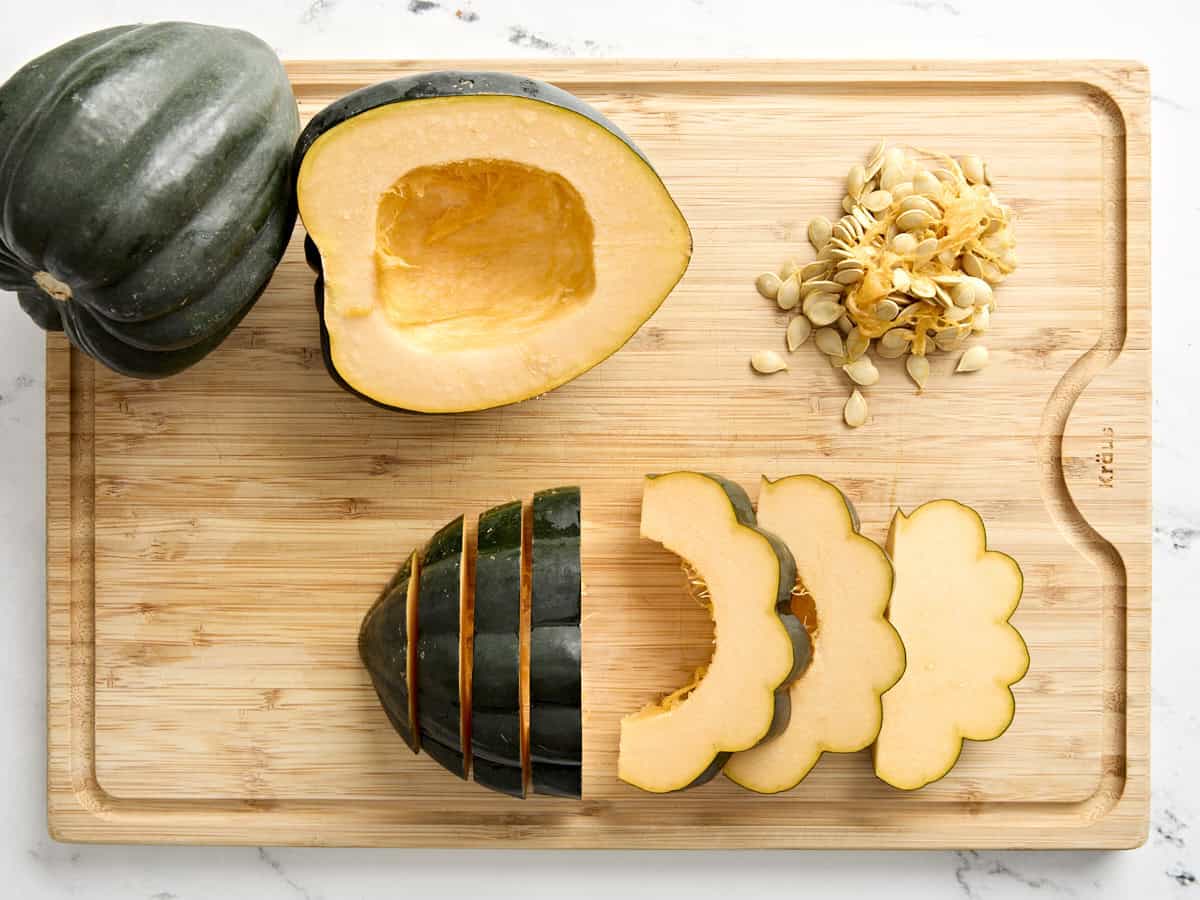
x: 214, y: 539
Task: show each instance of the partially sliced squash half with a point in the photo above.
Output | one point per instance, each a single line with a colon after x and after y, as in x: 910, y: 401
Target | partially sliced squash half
x: 747, y: 576
x: 844, y: 582
x: 951, y: 603
x: 480, y: 238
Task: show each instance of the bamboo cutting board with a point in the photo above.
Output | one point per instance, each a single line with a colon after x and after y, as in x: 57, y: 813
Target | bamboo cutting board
x: 215, y: 538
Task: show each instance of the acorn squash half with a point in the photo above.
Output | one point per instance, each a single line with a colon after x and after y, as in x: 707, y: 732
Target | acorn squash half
x: 747, y: 576
x: 480, y: 238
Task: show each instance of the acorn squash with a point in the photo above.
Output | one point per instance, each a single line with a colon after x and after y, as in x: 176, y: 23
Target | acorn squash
x: 385, y: 644
x: 479, y: 238
x: 844, y: 581
x: 555, y: 646
x: 498, y: 724
x: 747, y: 575
x: 951, y: 604
x: 144, y: 177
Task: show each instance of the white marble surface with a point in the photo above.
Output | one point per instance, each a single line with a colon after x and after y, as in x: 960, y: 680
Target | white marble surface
x: 1160, y: 33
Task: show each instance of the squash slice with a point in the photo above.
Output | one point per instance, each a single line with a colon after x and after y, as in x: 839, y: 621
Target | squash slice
x: 844, y: 582
x: 386, y: 645
x: 951, y: 604
x: 747, y: 575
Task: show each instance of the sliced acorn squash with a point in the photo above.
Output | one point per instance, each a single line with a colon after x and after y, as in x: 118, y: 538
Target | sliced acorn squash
x: 479, y: 238
x: 385, y: 643
x: 442, y: 607
x: 497, y: 721
x: 844, y: 582
x: 747, y: 576
x: 951, y: 604
x: 555, y: 647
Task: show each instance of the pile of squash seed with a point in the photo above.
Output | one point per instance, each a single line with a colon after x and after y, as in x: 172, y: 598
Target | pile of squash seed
x: 908, y: 269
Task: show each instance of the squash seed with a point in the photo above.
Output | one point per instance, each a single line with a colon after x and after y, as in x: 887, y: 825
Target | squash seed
x: 916, y: 201
x: 901, y: 280
x: 862, y: 371
x: 788, y: 294
x: 815, y: 269
x: 973, y: 360
x: 848, y: 276
x: 767, y: 362
x: 820, y: 297
x: 820, y: 285
x: 798, y: 331
x: 886, y: 309
x: 963, y: 293
x: 855, y: 179
x: 914, y: 220
x: 848, y: 203
x: 925, y: 182
x: 981, y: 320
x: 894, y: 343
x: 844, y: 325
x: 862, y: 217
x: 970, y: 265
x: 823, y: 312
x: 972, y: 169
x: 875, y: 159
x: 857, y: 344
x: 768, y: 284
x: 957, y: 313
x: 925, y: 249
x: 922, y: 287
x: 829, y: 342
x: 843, y: 233
x: 855, y: 410
x: 789, y: 269
x: 918, y: 371
x: 877, y: 201
x: 901, y: 190
x: 904, y: 243
x: 819, y: 230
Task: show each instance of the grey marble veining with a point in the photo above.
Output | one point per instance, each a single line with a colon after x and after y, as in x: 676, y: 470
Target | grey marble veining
x: 1158, y: 32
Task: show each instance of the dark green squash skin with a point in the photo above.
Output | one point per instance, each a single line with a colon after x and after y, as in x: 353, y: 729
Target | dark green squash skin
x: 438, y: 640
x: 383, y: 645
x: 161, y: 263
x: 555, y: 645
x: 496, y: 664
x: 427, y: 86
x: 743, y: 511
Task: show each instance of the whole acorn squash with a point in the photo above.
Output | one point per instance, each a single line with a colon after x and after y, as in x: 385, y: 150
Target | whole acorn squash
x: 144, y: 183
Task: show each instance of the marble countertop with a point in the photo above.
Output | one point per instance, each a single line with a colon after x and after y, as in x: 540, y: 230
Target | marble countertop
x: 1158, y: 32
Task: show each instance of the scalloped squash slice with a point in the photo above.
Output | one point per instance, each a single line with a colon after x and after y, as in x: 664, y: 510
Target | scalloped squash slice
x: 746, y: 577
x: 951, y: 604
x: 844, y: 582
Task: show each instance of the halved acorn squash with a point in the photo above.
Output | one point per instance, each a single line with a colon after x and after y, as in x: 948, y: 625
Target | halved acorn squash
x: 951, y: 605
x: 747, y: 576
x: 844, y: 583
x: 479, y: 238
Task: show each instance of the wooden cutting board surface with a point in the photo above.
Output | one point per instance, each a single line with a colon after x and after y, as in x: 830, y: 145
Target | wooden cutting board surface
x: 215, y: 538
